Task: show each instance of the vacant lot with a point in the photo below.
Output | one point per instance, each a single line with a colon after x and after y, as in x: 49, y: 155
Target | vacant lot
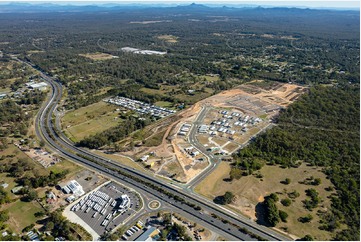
x: 163, y: 104
x: 90, y: 120
x: 168, y: 38
x: 98, y: 56
x: 22, y: 214
x: 251, y: 190
x: 123, y: 160
x: 66, y: 165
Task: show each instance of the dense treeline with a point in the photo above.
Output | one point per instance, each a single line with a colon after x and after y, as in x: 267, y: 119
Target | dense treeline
x: 246, y: 44
x: 322, y: 129
x: 13, y: 120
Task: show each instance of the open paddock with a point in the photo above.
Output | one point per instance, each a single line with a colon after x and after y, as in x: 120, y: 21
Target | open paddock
x: 98, y: 56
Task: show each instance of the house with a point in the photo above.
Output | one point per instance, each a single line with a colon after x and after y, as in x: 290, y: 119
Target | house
x: 203, y: 129
x: 3, y: 95
x: 16, y: 189
x: 144, y: 158
x: 4, y: 185
x: 194, y: 153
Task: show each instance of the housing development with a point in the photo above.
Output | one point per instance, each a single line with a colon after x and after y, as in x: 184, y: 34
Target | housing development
x: 180, y: 122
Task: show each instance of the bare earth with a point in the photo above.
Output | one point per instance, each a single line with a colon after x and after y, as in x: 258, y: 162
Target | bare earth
x: 98, y: 56
x: 247, y: 98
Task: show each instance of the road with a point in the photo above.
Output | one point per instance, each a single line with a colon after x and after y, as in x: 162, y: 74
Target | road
x: 144, y: 183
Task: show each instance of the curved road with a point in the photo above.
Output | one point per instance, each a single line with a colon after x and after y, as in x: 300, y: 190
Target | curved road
x: 143, y: 182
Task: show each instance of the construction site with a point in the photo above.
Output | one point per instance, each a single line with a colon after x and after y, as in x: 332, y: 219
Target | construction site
x: 219, y: 125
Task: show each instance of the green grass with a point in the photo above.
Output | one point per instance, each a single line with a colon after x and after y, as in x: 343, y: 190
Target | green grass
x: 90, y: 120
x: 13, y: 150
x: 66, y: 165
x: 122, y: 160
x: 210, y: 78
x: 84, y: 114
x: 22, y: 214
x: 263, y: 116
x: 9, y: 180
x: 164, y: 104
x: 152, y: 91
x: 155, y: 140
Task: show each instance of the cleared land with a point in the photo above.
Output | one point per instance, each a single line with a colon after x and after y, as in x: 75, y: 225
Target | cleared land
x: 168, y: 38
x: 98, y: 56
x: 251, y: 190
x: 90, y: 120
x: 21, y: 214
x: 168, y: 156
x: 121, y: 159
x: 66, y: 165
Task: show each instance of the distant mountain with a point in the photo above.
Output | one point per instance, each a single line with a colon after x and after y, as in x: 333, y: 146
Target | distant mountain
x: 16, y: 7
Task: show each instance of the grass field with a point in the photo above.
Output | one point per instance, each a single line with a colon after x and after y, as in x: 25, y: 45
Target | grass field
x: 90, y: 120
x: 98, y: 56
x: 230, y: 147
x: 155, y: 140
x: 164, y: 104
x: 182, y: 97
x: 203, y: 139
x: 253, y: 190
x: 13, y: 150
x: 168, y: 38
x: 9, y: 180
x: 66, y: 165
x: 22, y: 214
x: 210, y: 78
x: 220, y: 141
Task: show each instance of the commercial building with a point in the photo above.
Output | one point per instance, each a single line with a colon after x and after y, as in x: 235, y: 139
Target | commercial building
x: 42, y: 86
x: 73, y: 187
x: 149, y: 235
x: 124, y: 201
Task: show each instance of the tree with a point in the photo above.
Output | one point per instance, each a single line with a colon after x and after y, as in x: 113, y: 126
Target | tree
x: 307, y: 237
x: 272, y: 214
x: 32, y: 195
x: 39, y: 214
x: 49, y: 226
x: 305, y: 219
x: 287, y: 181
x: 286, y: 202
x: 235, y: 173
x: 283, y: 216
x: 316, y: 182
x: 228, y: 197
x: 274, y: 197
x: 4, y: 216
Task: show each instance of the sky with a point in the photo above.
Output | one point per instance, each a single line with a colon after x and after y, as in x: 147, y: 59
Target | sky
x: 353, y: 4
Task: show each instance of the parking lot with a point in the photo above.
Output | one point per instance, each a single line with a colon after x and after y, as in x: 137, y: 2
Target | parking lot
x: 140, y: 107
x: 107, y: 207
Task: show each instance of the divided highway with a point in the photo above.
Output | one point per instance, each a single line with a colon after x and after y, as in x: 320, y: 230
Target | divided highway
x: 47, y: 130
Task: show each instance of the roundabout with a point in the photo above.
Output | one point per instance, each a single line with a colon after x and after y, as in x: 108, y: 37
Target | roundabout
x: 153, y: 205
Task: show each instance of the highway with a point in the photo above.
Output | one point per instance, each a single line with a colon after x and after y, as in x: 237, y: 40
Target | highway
x: 143, y: 183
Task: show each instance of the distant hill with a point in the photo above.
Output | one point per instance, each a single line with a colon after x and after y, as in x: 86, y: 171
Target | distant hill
x: 53, y: 7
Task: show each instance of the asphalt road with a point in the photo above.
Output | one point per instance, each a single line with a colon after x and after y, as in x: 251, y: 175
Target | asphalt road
x: 45, y: 129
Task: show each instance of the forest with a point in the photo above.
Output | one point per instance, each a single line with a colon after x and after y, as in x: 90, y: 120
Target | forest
x: 316, y: 48
x: 236, y: 44
x: 322, y: 129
